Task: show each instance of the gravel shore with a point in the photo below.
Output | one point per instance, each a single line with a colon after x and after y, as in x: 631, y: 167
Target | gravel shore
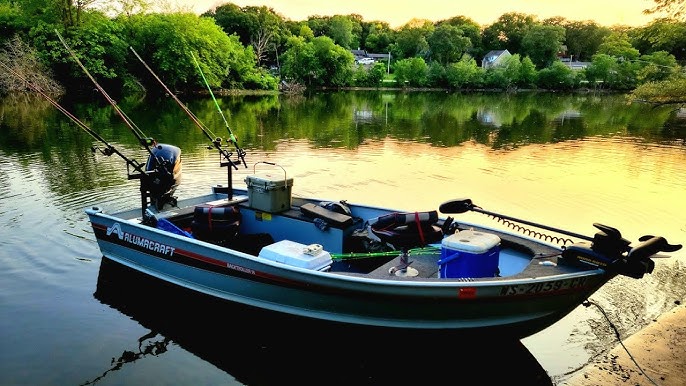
x: 656, y: 356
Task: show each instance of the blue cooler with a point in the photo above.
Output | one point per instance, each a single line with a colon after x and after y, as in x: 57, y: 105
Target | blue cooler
x: 469, y: 253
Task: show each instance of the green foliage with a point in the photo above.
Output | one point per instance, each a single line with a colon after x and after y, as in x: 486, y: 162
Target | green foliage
x: 447, y: 44
x: 471, y: 30
x: 541, y: 43
x: 372, y: 77
x: 436, y: 75
x: 657, y: 66
x: 583, y: 38
x: 508, y: 32
x: 12, y: 21
x: 601, y: 69
x: 259, y: 27
x: 412, y: 71
x: 669, y: 91
x: 528, y: 75
x: 379, y: 37
x: 96, y: 43
x: 168, y: 42
x: 319, y: 62
x: 661, y: 35
x: 341, y: 30
x: 411, y: 40
x: 618, y: 45
x: 557, y: 77
x: 464, y: 74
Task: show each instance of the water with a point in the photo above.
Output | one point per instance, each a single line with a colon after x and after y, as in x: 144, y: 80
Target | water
x: 568, y: 160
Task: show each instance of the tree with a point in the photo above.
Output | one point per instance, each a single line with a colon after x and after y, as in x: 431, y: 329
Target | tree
x: 617, y: 44
x: 412, y: 71
x: 557, y: 77
x: 471, y: 30
x: 379, y: 37
x: 672, y: 8
x: 542, y: 43
x: 168, y: 43
x: 412, y: 39
x: 583, y: 38
x: 670, y: 91
x: 447, y: 44
x: 97, y: 42
x: 12, y: 21
x: 657, y: 66
x: 23, y: 60
x: 508, y: 32
x: 260, y: 27
x: 319, y: 62
x: 341, y: 30
x: 464, y: 74
x: 661, y: 35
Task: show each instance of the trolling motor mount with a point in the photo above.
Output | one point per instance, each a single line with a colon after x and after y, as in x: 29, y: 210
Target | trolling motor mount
x: 614, y: 254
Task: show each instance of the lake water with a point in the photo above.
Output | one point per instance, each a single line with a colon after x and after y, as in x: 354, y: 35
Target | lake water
x: 70, y: 318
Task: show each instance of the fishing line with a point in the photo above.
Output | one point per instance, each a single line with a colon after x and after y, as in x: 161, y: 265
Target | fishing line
x: 142, y: 138
x: 193, y: 117
x: 108, y: 151
x: 232, y: 137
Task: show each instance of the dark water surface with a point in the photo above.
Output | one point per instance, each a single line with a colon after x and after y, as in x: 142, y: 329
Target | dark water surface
x: 69, y: 317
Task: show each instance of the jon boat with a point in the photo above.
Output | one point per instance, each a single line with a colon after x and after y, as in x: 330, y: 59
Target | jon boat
x: 350, y: 263
x: 358, y: 264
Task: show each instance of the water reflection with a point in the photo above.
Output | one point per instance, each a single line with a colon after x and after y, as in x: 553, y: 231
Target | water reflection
x: 264, y: 348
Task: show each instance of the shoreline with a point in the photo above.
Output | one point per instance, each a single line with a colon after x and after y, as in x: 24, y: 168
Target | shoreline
x: 658, y: 349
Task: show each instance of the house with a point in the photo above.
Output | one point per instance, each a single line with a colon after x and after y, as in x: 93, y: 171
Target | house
x: 361, y: 54
x: 575, y: 65
x: 494, y: 58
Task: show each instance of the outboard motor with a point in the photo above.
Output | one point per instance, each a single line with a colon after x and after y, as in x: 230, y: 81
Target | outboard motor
x: 611, y: 252
x: 164, y: 169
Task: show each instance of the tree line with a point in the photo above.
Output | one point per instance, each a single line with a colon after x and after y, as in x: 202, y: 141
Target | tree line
x: 254, y: 47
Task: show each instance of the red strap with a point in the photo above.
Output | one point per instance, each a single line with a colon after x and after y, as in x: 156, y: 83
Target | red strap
x: 419, y: 227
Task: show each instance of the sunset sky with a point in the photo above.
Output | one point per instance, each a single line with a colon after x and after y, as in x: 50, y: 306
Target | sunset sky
x: 484, y: 12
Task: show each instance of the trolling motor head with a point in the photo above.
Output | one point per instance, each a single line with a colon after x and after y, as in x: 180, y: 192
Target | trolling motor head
x: 614, y: 254
x: 164, y: 174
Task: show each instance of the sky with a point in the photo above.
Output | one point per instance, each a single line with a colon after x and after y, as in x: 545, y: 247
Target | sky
x: 484, y: 12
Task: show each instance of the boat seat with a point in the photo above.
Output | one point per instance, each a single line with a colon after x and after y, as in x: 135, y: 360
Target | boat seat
x: 408, y: 230
x: 335, y: 219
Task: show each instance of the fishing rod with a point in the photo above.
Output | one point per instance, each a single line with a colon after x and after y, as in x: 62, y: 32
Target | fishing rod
x: 216, y: 141
x: 162, y: 172
x: 232, y: 137
x: 109, y: 150
x: 147, y: 142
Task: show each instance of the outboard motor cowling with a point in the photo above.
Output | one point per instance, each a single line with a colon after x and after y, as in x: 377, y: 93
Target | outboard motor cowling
x: 164, y: 171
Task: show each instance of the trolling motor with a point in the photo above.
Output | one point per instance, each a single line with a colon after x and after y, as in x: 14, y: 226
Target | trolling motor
x: 607, y: 249
x: 610, y: 251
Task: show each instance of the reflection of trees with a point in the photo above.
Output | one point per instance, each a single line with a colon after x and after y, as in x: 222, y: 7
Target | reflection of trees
x: 31, y: 125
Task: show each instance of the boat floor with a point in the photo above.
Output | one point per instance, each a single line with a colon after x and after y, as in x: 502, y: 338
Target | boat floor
x: 519, y: 257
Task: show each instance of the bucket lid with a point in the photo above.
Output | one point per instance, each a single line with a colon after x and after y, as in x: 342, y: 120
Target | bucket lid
x: 471, y: 241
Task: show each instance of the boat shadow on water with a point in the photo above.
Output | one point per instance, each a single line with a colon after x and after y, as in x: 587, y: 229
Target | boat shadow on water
x: 259, y: 347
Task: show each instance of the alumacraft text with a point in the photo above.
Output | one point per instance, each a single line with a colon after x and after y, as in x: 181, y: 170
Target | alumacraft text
x: 140, y: 241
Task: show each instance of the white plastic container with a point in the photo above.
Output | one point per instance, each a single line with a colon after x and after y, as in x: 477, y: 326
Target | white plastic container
x: 297, y: 255
x: 469, y: 253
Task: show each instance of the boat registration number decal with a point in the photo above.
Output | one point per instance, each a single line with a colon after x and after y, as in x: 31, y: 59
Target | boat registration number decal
x: 536, y: 288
